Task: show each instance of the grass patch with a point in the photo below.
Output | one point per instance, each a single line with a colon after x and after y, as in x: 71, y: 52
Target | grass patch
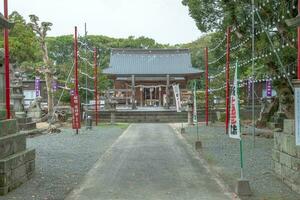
x: 209, y: 158
x: 116, y: 125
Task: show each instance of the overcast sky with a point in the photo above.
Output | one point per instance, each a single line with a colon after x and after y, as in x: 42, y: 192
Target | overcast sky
x: 166, y: 21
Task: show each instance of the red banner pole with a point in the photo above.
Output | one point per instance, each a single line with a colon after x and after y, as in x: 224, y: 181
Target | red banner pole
x: 76, y: 61
x: 95, y: 82
x: 298, y: 44
x: 206, y: 89
x: 76, y: 77
x: 227, y: 79
x: 6, y: 63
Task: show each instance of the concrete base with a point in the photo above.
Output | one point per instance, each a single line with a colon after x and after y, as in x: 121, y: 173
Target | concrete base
x: 182, y: 130
x: 243, y: 188
x: 198, y: 145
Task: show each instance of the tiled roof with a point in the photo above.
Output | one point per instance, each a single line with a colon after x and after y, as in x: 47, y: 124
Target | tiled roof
x: 150, y: 62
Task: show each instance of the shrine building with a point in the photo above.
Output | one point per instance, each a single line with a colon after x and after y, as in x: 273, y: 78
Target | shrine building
x: 144, y: 77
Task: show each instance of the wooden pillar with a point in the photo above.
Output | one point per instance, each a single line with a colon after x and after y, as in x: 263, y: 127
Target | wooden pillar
x: 141, y: 90
x: 133, y: 92
x: 168, y: 92
x: 126, y: 94
x: 151, y: 96
x: 159, y: 94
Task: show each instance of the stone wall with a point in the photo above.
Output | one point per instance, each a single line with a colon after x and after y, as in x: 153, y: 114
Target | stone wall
x: 286, y: 156
x: 17, y: 163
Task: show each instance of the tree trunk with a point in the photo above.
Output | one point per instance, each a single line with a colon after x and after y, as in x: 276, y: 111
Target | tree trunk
x: 48, y: 78
x: 284, y: 93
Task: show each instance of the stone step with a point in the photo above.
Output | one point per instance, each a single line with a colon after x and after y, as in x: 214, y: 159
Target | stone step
x: 8, y: 127
x: 12, y: 144
x: 15, y: 160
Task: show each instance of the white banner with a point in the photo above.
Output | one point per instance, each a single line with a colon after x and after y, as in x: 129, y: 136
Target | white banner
x: 195, y: 118
x: 176, y: 90
x: 297, y: 115
x: 234, y: 123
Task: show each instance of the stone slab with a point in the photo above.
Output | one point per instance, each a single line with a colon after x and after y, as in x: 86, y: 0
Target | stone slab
x: 16, y: 160
x: 289, y: 126
x: 16, y: 174
x: 14, y: 185
x: 27, y: 126
x: 12, y: 144
x: 291, y: 175
x: 24, y: 120
x: 243, y: 188
x: 198, y: 145
x: 285, y: 143
x: 277, y: 168
x: 8, y: 127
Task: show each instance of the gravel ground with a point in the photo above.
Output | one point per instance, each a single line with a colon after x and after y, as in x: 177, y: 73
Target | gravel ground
x: 222, y: 153
x: 149, y: 162
x: 62, y: 160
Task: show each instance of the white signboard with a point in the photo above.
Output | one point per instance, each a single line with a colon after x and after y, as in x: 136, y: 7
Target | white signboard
x: 234, y: 123
x: 297, y: 115
x: 177, y: 97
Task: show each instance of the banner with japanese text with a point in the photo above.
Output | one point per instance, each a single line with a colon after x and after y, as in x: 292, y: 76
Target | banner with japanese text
x: 37, y: 86
x: 75, y: 107
x: 234, y: 123
x: 176, y: 90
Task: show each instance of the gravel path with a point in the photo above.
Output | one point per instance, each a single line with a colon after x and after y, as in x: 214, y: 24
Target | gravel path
x: 62, y: 160
x: 222, y: 153
x: 148, y: 162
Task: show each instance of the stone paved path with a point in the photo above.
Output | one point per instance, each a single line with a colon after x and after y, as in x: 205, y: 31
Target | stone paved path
x: 148, y: 161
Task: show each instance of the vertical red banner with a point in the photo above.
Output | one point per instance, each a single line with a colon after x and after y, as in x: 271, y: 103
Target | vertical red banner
x: 75, y: 107
x: 6, y: 64
x: 227, y: 79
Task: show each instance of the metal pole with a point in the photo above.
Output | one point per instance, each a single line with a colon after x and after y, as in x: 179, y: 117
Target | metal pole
x: 6, y: 52
x: 86, y: 80
x: 253, y: 72
x: 76, y: 64
x: 96, y: 89
x: 227, y: 78
x: 206, y: 89
x: 298, y: 44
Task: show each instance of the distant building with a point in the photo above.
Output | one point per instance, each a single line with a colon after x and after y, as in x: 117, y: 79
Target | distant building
x: 145, y: 76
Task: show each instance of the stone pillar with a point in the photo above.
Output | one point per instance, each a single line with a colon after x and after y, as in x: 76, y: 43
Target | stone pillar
x: 159, y: 96
x: 168, y: 92
x: 133, y: 92
x: 141, y: 90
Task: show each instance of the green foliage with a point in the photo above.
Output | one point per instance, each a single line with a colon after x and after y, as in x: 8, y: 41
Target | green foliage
x: 217, y: 15
x: 24, y: 46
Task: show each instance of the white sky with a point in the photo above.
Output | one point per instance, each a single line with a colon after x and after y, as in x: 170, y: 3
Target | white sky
x: 166, y: 21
